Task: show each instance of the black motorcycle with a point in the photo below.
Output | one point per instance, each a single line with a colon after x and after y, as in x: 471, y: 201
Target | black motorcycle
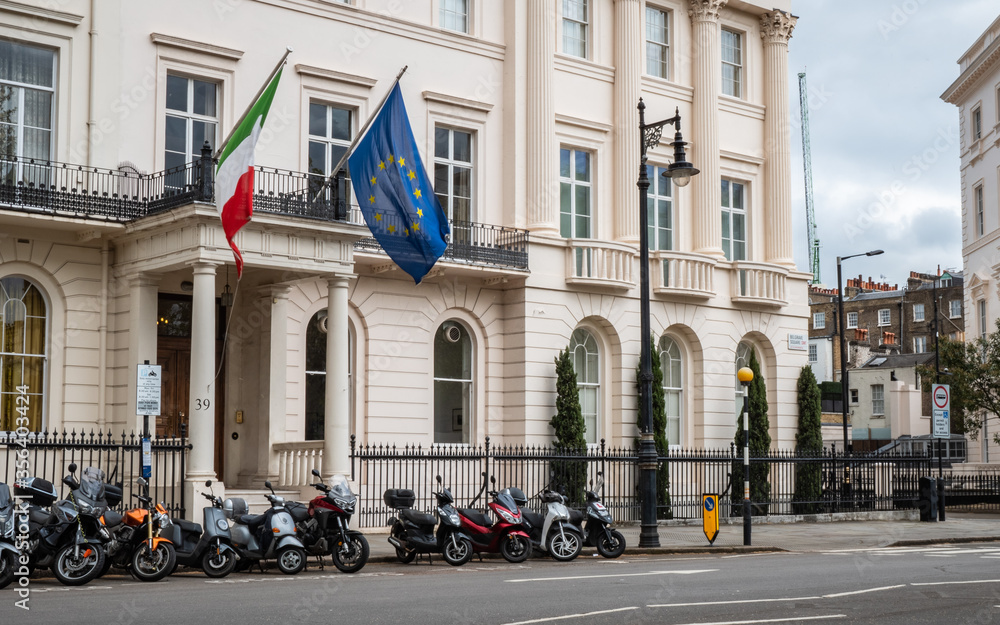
x: 597, y: 532
x: 209, y: 546
x: 9, y: 554
x: 413, y: 533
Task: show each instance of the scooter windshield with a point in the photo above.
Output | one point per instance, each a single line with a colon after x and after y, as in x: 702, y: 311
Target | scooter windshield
x: 505, y: 499
x: 4, y: 496
x: 340, y: 488
x: 92, y: 484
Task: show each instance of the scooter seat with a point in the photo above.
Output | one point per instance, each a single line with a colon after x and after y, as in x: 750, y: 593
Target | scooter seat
x: 41, y: 517
x: 188, y: 527
x: 416, y: 517
x: 533, y: 518
x: 476, y: 517
x: 252, y: 521
x: 576, y: 517
x: 113, y: 518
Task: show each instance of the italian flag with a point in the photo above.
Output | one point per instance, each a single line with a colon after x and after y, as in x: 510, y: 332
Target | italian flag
x: 234, y: 173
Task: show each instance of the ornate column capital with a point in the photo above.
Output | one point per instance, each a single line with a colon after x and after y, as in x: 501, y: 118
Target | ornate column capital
x: 777, y: 26
x: 705, y: 10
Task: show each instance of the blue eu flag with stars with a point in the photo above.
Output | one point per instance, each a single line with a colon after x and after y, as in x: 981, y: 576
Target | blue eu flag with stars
x: 394, y: 193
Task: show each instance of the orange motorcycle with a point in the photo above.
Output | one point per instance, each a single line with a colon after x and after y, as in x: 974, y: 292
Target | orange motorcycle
x: 136, y: 544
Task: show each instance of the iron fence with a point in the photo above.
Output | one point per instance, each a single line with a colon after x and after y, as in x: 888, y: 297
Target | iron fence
x: 847, y: 483
x: 972, y: 492
x: 120, y: 457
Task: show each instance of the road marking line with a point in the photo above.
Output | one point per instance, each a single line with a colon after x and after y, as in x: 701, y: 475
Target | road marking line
x: 861, y: 592
x: 562, y: 579
x: 775, y: 620
x: 560, y: 618
x: 971, y: 581
x: 736, y: 601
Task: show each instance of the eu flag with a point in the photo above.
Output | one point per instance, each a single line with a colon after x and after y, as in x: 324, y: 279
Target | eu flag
x: 395, y: 194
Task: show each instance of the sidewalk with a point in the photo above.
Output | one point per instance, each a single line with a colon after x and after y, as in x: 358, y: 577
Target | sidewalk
x: 805, y: 536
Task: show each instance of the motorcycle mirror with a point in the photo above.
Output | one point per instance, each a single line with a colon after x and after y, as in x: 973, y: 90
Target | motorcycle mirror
x: 141, y: 481
x: 72, y: 467
x: 316, y: 473
x: 439, y: 479
x: 268, y: 484
x: 208, y: 483
x: 493, y: 480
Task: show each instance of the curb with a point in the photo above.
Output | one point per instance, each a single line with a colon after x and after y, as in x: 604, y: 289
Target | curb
x: 632, y: 551
x: 920, y: 542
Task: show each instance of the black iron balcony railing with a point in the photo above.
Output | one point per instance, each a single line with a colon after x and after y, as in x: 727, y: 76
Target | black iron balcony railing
x: 124, y: 195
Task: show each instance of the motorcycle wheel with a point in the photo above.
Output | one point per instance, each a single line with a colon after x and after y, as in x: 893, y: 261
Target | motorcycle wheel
x: 152, y: 566
x: 565, y: 545
x: 515, y: 549
x: 7, y: 564
x: 218, y: 564
x: 405, y: 556
x: 107, y: 566
x: 457, y: 551
x: 73, y: 570
x: 291, y: 560
x: 611, y: 547
x: 356, y: 555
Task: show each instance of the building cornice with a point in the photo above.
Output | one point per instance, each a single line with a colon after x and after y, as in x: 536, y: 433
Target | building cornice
x: 329, y: 74
x: 444, y: 98
x: 38, y: 12
x: 977, y: 69
x: 197, y: 46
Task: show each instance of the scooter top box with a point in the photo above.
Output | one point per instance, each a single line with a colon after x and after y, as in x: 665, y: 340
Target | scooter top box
x: 399, y: 498
x: 36, y: 490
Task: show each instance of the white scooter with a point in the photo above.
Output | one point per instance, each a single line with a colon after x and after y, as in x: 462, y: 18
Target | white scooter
x: 553, y: 533
x: 266, y: 536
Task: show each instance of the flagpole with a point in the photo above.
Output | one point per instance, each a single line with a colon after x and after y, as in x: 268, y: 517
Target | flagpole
x: 253, y: 101
x: 361, y: 134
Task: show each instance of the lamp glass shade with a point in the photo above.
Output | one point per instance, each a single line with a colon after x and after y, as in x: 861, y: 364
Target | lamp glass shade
x: 745, y: 375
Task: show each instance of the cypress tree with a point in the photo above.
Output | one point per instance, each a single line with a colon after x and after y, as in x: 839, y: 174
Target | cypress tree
x: 760, y: 445
x: 659, y: 430
x: 569, y: 428
x: 808, y: 442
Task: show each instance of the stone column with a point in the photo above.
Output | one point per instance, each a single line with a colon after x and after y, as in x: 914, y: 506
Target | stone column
x: 542, y: 185
x: 629, y: 39
x: 707, y: 70
x: 776, y: 29
x: 275, y: 374
x: 336, y: 424
x: 143, y: 293
x: 201, y: 407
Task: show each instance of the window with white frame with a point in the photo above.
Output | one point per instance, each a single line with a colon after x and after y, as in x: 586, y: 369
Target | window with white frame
x: 955, y: 308
x: 918, y: 312
x: 453, y: 179
x: 455, y: 15
x: 884, y: 317
x: 854, y: 395
x: 945, y: 281
x: 980, y: 215
x: 878, y: 400
x: 27, y: 94
x: 23, y: 353
x: 734, y: 220
x: 977, y: 122
x: 852, y: 321
x: 819, y: 321
x: 587, y: 364
x: 673, y: 368
x: 192, y: 119
x: 657, y: 42
x: 575, y: 175
x: 330, y: 131
x: 315, y: 369
x: 813, y: 353
x: 453, y: 384
x: 982, y: 317
x: 732, y: 63
x: 659, y: 209
x: 575, y: 27
x: 919, y: 344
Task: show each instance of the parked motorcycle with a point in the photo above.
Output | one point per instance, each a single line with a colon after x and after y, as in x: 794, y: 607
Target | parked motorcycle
x: 137, y: 544
x: 553, y: 533
x: 597, y: 532
x: 323, y: 526
x: 9, y: 554
x: 266, y: 536
x: 412, y: 532
x: 209, y: 546
x: 69, y: 537
x: 507, y: 536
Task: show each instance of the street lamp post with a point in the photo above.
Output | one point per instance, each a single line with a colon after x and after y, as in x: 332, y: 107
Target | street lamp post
x: 680, y: 171
x: 843, y: 358
x: 745, y: 376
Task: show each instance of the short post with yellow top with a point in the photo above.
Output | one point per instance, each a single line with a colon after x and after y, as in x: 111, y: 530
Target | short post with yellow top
x: 745, y: 376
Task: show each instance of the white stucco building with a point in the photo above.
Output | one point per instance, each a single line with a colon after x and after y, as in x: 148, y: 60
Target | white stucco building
x: 976, y: 93
x: 525, y: 113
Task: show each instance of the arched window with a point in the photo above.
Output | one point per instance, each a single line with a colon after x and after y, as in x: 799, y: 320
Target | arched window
x: 670, y: 363
x: 453, y: 359
x: 23, y: 347
x: 587, y: 364
x: 316, y: 377
x: 742, y: 360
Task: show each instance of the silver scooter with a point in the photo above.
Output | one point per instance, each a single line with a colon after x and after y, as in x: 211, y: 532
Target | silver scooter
x: 266, y: 536
x: 554, y: 533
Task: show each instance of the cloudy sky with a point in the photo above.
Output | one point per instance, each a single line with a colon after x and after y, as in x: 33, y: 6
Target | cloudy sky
x: 885, y: 147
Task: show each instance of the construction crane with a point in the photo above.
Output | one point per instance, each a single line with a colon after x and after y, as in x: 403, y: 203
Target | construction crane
x: 812, y: 242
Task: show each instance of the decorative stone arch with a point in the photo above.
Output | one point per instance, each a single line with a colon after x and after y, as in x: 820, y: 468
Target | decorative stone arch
x: 767, y: 357
x: 693, y: 358
x: 481, y: 422
x: 56, y: 338
x: 616, y: 415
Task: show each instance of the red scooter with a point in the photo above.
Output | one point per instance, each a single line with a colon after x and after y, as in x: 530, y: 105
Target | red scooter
x: 508, y: 535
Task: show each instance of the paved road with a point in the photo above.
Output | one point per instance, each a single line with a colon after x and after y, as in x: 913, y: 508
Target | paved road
x: 888, y: 586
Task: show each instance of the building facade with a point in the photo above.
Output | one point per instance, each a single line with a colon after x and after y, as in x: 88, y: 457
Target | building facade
x: 976, y: 93
x: 111, y: 252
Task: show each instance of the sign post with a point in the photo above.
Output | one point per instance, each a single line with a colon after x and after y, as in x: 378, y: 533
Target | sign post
x: 710, y: 516
x: 941, y: 429
x: 147, y: 403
